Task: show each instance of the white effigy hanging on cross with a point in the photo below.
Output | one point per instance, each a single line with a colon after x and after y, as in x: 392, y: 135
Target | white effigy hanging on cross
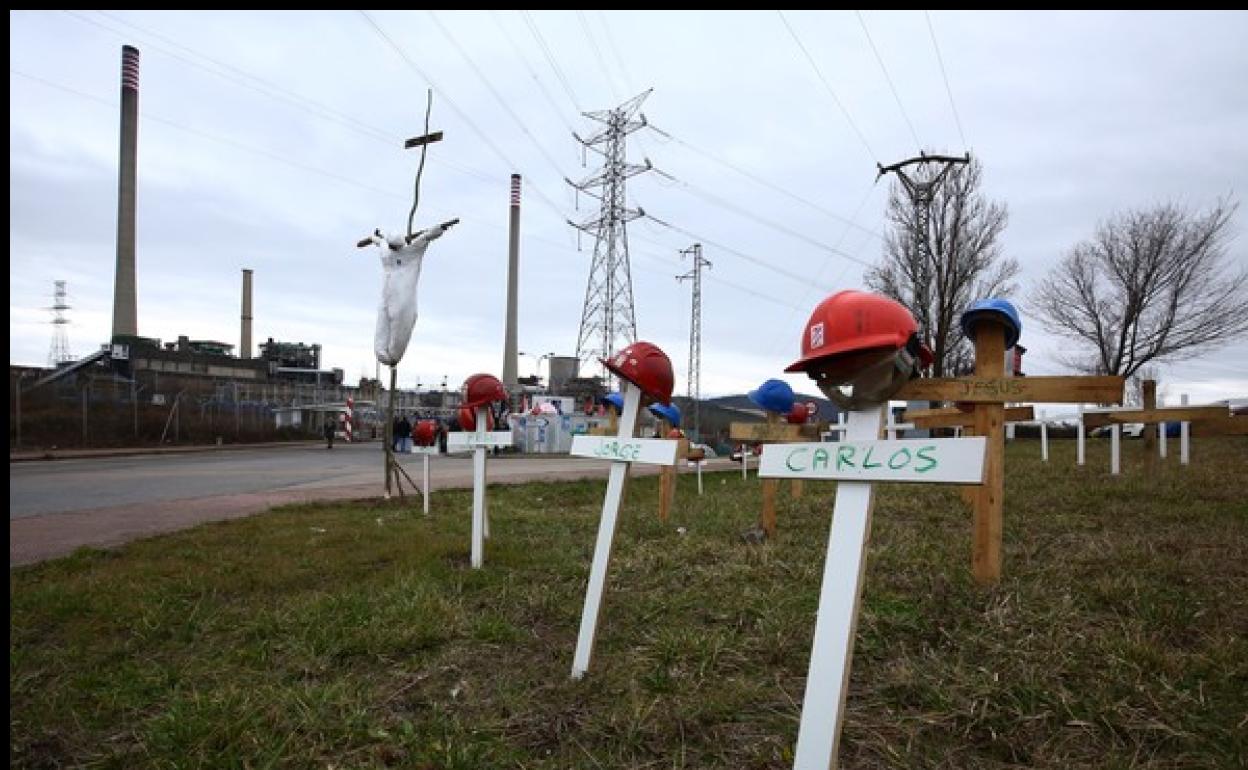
x: 645, y: 374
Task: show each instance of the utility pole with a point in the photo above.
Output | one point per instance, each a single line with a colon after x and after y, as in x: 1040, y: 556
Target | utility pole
x: 694, y: 389
x: 922, y: 191
x: 607, y: 320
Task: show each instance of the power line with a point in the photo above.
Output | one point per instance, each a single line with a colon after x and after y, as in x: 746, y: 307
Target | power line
x: 494, y: 91
x: 762, y: 220
x: 308, y: 105
x: 828, y: 86
x: 765, y: 183
x: 945, y: 75
x: 889, y: 78
x: 615, y: 51
x: 771, y: 267
x: 455, y: 108
x: 532, y: 73
x: 602, y: 64
x: 550, y: 59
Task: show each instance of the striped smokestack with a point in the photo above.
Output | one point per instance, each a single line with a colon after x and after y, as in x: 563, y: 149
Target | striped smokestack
x: 510, y: 345
x: 125, y: 303
x: 244, y: 345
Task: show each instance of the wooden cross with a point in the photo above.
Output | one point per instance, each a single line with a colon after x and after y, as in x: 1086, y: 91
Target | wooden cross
x: 989, y: 390
x: 478, y: 441
x: 856, y: 461
x: 667, y: 473
x: 622, y: 450
x: 1215, y: 419
x: 773, y: 431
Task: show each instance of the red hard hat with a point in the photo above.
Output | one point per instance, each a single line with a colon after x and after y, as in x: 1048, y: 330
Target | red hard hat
x: 647, y: 367
x: 854, y: 321
x: 482, y: 389
x: 423, y: 434
x: 468, y: 418
x: 798, y: 414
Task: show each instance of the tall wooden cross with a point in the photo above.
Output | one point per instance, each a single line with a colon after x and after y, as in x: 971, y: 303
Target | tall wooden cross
x: 989, y: 390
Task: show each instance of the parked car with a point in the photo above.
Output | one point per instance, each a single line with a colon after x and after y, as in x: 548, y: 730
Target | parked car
x: 1129, y: 430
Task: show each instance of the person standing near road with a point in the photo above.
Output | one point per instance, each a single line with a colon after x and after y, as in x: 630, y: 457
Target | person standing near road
x: 329, y: 431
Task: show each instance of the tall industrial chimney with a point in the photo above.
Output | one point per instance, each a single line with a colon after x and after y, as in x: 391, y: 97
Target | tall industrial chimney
x: 125, y: 303
x: 510, y: 352
x: 244, y: 346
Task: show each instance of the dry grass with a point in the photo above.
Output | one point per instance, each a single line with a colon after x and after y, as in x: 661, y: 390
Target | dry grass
x: 355, y: 636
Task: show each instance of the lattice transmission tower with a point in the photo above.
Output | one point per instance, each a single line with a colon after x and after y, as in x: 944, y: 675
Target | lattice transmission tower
x: 607, y: 320
x: 694, y: 390
x: 59, y: 353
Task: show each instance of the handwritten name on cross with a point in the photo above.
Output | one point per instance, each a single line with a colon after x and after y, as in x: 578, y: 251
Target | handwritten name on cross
x: 856, y: 462
x: 478, y: 441
x: 622, y: 450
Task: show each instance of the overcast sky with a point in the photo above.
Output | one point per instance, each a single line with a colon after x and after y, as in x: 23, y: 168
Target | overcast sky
x: 273, y: 141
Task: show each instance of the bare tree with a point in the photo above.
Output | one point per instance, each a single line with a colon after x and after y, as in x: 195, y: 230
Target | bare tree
x: 1152, y: 285
x: 965, y: 263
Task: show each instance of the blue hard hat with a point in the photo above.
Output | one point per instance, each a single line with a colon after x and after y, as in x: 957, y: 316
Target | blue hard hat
x: 614, y: 399
x: 999, y: 310
x: 669, y: 412
x: 774, y: 396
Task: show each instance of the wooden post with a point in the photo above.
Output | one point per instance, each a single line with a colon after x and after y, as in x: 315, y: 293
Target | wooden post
x: 767, y: 519
x: 1150, y: 429
x: 667, y: 478
x: 990, y: 423
x: 389, y: 455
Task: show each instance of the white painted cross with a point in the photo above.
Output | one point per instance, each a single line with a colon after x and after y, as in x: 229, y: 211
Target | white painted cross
x: 622, y: 449
x: 426, y: 452
x: 479, y: 441
x: 856, y: 461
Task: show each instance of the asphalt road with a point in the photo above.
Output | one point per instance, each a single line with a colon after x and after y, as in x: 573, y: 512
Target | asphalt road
x: 57, y: 506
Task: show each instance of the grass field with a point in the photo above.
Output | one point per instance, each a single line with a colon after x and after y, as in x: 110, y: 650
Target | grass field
x: 356, y: 636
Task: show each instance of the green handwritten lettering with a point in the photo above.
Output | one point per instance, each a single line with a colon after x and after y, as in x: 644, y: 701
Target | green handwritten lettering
x: 904, y: 460
x: 844, y: 456
x: 866, y: 461
x: 821, y: 459
x: 788, y: 461
x: 931, y: 461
